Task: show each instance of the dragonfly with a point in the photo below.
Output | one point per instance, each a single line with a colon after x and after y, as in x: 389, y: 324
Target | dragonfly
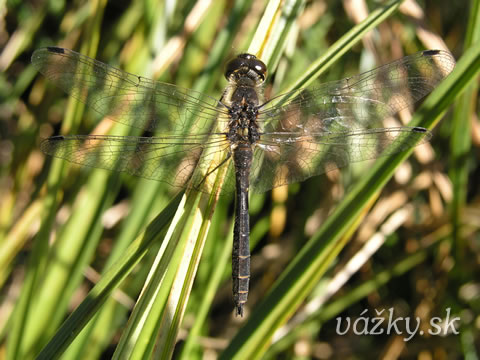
x: 268, y: 143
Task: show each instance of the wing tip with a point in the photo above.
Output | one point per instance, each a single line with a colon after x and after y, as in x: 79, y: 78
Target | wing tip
x: 38, y: 55
x: 48, y: 144
x: 446, y: 56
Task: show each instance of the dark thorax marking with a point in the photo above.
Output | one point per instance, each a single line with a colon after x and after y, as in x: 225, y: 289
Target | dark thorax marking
x: 243, y: 128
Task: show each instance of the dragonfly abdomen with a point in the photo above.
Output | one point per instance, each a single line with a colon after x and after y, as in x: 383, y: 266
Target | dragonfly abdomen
x: 242, y: 158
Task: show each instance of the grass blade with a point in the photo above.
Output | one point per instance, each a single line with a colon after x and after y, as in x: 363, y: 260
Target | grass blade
x: 98, y: 295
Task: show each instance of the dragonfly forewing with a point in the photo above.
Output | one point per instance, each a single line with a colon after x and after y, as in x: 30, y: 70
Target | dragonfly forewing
x: 361, y: 101
x: 341, y: 122
x: 127, y: 98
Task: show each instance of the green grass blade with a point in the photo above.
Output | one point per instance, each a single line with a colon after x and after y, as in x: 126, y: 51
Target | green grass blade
x: 144, y: 323
x: 28, y: 331
x: 342, y: 45
x: 218, y: 261
x: 460, y: 144
x: 98, y: 295
x: 271, y: 35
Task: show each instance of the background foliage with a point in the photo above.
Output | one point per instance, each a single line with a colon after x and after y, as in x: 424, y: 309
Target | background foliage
x: 62, y: 227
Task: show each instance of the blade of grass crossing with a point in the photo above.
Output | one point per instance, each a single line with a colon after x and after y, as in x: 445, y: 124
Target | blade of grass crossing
x: 111, y: 279
x: 20, y: 342
x: 460, y: 144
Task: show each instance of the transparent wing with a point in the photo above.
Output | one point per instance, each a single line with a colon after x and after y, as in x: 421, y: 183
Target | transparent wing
x: 361, y: 101
x: 310, y: 131
x: 286, y: 158
x: 127, y: 98
x: 171, y: 159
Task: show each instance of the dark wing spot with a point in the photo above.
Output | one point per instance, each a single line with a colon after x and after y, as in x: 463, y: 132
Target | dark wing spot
x: 431, y: 52
x: 55, y: 49
x: 419, y: 129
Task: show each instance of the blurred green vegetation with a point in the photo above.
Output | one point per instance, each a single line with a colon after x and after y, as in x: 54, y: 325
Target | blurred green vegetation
x: 62, y: 227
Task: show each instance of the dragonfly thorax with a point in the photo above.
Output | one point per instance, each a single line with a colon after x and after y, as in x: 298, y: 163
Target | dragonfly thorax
x: 243, y: 131
x: 243, y: 114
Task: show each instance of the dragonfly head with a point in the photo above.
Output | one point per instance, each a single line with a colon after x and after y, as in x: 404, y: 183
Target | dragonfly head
x: 246, y: 65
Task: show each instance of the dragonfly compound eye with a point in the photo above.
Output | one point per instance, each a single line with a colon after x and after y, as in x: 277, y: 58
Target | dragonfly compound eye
x: 246, y: 65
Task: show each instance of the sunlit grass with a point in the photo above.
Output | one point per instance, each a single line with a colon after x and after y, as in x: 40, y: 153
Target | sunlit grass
x: 71, y: 236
